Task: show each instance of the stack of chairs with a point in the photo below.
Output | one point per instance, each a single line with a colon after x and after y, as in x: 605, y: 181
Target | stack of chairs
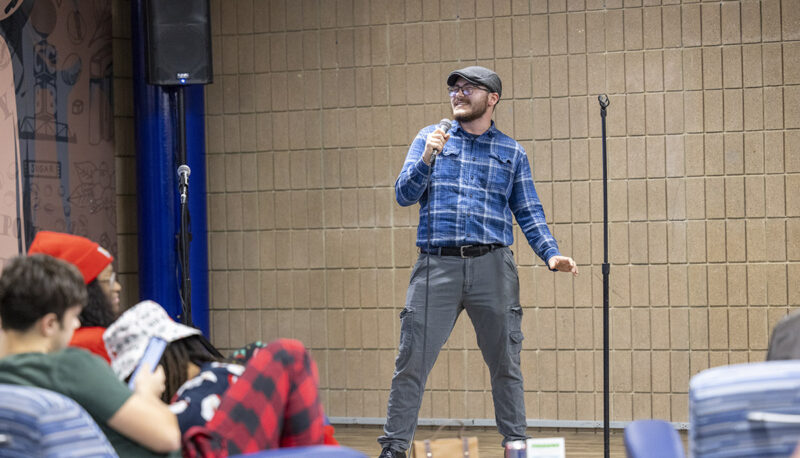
x: 745, y: 410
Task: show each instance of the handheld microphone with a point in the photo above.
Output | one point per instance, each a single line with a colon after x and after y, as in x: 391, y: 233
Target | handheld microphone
x: 444, y: 125
x: 183, y: 174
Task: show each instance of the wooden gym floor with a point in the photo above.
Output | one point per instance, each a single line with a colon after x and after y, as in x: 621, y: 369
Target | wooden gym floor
x: 580, y: 443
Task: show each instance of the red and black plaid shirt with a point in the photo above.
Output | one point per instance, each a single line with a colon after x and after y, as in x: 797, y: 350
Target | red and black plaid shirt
x: 275, y: 403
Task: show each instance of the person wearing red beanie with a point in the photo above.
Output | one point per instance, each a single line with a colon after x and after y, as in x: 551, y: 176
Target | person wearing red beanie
x: 94, y: 264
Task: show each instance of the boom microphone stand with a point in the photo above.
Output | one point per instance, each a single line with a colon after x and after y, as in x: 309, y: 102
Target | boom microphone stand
x: 604, y: 102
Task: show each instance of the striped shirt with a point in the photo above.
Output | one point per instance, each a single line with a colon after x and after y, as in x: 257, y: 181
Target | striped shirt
x: 477, y: 183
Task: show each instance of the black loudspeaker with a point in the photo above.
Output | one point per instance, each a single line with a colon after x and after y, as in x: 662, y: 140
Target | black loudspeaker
x: 178, y: 42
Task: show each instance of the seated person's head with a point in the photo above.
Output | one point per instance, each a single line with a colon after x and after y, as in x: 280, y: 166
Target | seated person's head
x: 187, y: 349
x: 94, y: 263
x: 41, y: 298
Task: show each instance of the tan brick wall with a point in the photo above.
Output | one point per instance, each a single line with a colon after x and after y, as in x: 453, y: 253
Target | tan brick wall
x: 127, y: 258
x: 308, y: 122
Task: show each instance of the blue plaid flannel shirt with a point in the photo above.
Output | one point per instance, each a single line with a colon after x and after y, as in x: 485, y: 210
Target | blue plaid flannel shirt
x: 477, y: 183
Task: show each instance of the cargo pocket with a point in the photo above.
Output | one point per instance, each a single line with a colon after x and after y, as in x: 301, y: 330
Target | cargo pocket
x: 404, y: 349
x: 515, y: 333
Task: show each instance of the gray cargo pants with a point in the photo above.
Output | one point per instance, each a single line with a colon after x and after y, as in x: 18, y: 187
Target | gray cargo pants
x: 488, y: 288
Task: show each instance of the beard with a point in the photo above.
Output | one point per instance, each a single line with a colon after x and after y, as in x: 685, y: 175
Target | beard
x: 478, y: 108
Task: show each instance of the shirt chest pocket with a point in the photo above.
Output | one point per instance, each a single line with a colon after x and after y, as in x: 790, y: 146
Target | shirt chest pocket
x: 501, y: 173
x: 448, y: 165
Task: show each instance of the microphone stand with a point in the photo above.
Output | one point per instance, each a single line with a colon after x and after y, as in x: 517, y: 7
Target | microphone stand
x: 427, y: 279
x: 184, y: 236
x: 604, y: 102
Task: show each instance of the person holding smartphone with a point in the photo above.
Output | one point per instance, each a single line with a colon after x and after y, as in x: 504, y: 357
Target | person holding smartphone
x: 271, y: 400
x: 41, y: 298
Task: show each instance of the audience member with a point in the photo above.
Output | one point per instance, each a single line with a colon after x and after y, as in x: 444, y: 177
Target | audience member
x: 94, y: 263
x: 188, y: 352
x: 224, y: 408
x: 785, y: 340
x: 40, y: 300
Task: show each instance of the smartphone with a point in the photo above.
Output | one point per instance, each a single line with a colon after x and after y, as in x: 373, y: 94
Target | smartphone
x: 152, y: 355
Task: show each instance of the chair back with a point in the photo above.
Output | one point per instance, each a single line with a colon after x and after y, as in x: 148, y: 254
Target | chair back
x: 745, y: 410
x: 38, y: 422
x: 652, y: 439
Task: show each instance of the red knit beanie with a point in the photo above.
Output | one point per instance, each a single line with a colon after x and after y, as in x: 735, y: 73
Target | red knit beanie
x: 89, y: 257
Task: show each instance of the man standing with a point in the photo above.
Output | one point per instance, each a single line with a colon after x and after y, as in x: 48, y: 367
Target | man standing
x: 479, y: 178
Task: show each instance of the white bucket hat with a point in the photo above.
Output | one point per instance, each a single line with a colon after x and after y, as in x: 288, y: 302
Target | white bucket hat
x: 127, y: 337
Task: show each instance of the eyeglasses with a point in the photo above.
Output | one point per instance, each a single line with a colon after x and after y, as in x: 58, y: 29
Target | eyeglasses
x: 111, y: 281
x: 466, y: 89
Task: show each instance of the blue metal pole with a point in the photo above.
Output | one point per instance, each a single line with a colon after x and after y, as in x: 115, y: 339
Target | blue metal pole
x: 155, y: 183
x: 158, y: 205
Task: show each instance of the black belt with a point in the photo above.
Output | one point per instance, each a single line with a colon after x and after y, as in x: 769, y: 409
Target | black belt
x: 466, y: 251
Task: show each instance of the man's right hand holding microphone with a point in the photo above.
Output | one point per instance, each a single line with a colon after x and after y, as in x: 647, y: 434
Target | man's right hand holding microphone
x: 434, y: 144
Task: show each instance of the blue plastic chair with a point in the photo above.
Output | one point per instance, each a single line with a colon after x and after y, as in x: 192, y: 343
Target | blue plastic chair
x: 38, y: 422
x: 653, y: 439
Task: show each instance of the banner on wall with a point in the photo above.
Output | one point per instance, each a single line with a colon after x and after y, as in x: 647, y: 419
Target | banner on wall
x: 56, y: 122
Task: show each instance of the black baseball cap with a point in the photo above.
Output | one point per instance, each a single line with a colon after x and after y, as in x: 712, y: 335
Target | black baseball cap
x: 478, y: 75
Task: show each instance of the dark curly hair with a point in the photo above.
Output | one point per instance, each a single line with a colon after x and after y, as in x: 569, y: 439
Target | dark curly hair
x: 177, y: 356
x: 98, y: 310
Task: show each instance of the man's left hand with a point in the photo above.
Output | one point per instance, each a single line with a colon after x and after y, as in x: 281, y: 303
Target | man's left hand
x: 563, y: 264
